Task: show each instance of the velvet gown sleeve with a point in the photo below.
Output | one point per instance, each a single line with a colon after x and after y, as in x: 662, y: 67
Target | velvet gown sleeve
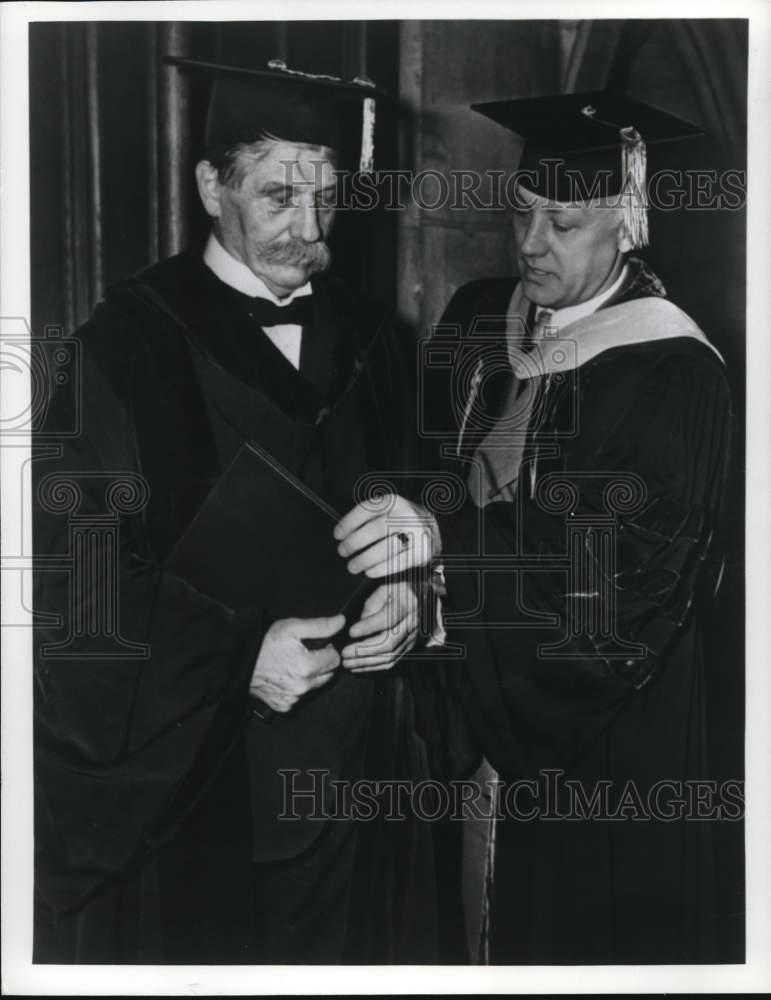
x: 662, y: 416
x: 131, y: 726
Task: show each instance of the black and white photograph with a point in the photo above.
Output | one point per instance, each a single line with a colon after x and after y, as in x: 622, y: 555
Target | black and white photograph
x: 385, y: 498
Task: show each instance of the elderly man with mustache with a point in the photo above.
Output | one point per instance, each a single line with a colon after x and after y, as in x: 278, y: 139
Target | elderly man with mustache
x: 159, y: 779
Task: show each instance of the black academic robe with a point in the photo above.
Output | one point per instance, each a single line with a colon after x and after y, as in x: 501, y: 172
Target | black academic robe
x: 155, y: 839
x: 568, y: 890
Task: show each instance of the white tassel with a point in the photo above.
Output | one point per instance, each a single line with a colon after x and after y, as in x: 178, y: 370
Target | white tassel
x: 367, y: 160
x: 633, y: 166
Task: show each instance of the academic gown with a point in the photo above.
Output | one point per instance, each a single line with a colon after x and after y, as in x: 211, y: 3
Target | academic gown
x: 567, y: 890
x: 154, y: 836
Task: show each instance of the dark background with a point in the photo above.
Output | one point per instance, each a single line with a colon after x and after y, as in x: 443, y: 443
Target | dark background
x: 113, y: 143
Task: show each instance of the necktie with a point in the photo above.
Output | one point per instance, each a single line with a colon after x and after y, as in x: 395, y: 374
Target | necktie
x: 299, y: 311
x: 543, y: 320
x: 498, y: 457
x: 533, y: 329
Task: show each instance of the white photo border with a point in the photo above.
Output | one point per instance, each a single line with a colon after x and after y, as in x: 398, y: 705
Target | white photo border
x: 20, y: 976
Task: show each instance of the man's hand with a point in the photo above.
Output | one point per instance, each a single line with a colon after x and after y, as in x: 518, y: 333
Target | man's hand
x: 387, y: 536
x: 286, y: 669
x: 388, y: 626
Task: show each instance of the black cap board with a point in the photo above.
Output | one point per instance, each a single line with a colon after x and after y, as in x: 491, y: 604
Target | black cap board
x: 248, y: 104
x: 601, y: 137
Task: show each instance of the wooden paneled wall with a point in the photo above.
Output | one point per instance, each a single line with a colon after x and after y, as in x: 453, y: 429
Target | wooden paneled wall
x: 444, y: 67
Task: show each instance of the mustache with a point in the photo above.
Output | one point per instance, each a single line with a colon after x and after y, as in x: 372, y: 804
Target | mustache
x: 314, y: 257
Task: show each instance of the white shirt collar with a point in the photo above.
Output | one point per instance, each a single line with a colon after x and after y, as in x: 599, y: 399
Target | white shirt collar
x: 238, y: 275
x: 569, y: 314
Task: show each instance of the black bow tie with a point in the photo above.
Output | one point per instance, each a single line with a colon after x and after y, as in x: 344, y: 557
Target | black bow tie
x: 266, y: 313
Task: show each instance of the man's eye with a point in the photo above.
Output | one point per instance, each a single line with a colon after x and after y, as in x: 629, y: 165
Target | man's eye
x: 280, y: 199
x: 560, y: 228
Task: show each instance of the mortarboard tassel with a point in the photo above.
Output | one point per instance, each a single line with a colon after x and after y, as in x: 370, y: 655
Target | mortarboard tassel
x: 367, y: 158
x: 367, y: 161
x: 634, y: 160
x: 633, y: 165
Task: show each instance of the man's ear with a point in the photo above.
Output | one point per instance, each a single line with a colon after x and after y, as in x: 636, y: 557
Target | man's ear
x: 209, y: 187
x: 624, y: 241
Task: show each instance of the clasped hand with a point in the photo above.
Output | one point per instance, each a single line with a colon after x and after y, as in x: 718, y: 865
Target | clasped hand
x: 286, y: 669
x: 384, y: 538
x: 387, y: 536
x: 388, y: 628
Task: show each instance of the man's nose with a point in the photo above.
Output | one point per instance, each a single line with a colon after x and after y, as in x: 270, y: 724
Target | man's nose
x: 533, y: 243
x: 307, y: 226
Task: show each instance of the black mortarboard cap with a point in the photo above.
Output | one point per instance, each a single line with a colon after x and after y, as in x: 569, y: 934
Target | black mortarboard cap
x: 247, y: 104
x: 601, y: 137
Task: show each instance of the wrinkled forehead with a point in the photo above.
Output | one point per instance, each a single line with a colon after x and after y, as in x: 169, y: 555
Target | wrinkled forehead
x: 591, y: 207
x: 296, y: 165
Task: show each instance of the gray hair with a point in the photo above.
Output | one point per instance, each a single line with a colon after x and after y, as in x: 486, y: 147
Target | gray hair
x: 234, y: 163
